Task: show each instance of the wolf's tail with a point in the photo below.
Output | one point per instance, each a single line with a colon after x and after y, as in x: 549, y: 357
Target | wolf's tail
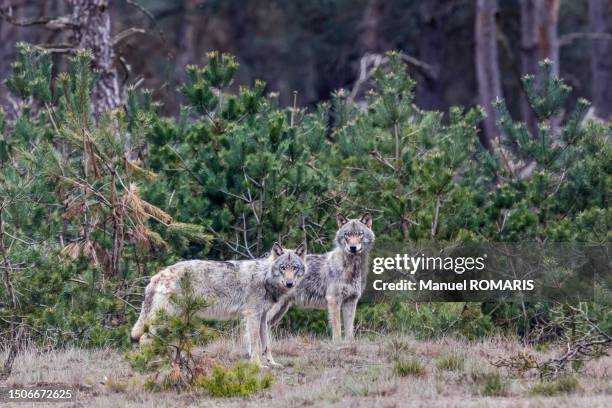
x: 139, y: 327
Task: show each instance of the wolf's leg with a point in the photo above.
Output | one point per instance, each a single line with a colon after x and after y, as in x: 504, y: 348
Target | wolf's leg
x: 253, y: 322
x: 348, y: 316
x: 333, y: 308
x: 278, y: 311
x: 247, y: 336
x: 264, y: 334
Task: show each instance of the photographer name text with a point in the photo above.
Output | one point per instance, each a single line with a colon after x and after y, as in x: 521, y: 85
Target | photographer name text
x: 410, y: 265
x: 471, y: 284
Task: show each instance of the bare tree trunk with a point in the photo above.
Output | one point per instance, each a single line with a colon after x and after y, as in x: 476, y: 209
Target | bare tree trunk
x: 92, y: 30
x: 487, y: 66
x: 370, y: 37
x: 539, y: 40
x: 8, y: 37
x: 11, y: 34
x: 600, y: 13
x: 188, y: 50
x: 432, y: 43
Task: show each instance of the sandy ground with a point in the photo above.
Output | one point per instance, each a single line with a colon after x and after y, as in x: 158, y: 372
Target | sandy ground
x: 319, y: 373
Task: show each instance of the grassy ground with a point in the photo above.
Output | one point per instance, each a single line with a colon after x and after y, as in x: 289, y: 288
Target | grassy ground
x: 382, y: 371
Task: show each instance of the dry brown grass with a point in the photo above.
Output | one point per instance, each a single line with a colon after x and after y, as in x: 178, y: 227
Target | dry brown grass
x: 319, y: 373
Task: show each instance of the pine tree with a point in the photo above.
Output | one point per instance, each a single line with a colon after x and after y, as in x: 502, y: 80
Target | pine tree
x: 402, y: 161
x: 240, y: 164
x: 71, y: 203
x: 563, y: 166
x: 169, y: 356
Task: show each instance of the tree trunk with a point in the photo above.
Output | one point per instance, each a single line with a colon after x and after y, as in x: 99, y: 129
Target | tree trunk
x: 487, y: 66
x: 92, y: 30
x: 539, y: 40
x: 10, y: 35
x: 8, y: 38
x: 432, y: 43
x: 370, y: 37
x: 600, y: 13
x: 188, y: 50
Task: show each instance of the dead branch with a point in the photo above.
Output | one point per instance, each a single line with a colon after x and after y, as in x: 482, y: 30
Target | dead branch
x: 369, y: 63
x: 126, y: 33
x: 569, y: 38
x: 51, y: 23
x: 583, y: 345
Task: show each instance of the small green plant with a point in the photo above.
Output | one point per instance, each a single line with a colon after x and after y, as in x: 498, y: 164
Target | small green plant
x: 451, y: 362
x: 396, y: 348
x: 240, y: 381
x: 168, y: 357
x: 493, y: 385
x: 562, y: 385
x: 409, y: 367
x: 577, y: 365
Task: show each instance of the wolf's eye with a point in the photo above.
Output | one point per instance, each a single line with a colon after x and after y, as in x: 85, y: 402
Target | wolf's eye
x: 346, y: 235
x: 283, y: 267
x: 361, y: 233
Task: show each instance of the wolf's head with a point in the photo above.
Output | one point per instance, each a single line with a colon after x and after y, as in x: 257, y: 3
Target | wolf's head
x: 288, y: 266
x: 355, y: 236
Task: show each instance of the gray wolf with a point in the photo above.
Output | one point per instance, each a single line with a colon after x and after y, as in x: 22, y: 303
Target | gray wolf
x: 335, y: 280
x: 236, y: 289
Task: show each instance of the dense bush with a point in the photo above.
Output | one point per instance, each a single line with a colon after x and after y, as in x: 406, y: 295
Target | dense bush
x: 249, y: 172
x: 91, y: 207
x: 424, y: 320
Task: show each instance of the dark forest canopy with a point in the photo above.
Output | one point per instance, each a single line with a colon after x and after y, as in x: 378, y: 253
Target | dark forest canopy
x: 315, y: 46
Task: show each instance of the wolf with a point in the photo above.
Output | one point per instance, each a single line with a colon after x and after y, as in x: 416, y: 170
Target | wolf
x: 335, y: 280
x: 236, y: 289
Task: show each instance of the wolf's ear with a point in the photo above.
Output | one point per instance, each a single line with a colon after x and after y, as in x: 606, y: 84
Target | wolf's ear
x: 367, y: 220
x: 301, y: 250
x: 277, y: 250
x: 341, y: 219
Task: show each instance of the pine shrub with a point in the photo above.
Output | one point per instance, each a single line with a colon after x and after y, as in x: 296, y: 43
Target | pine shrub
x: 242, y: 380
x: 168, y: 355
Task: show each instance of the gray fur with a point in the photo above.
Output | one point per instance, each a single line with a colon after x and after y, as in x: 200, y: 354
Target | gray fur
x: 335, y: 280
x: 236, y: 289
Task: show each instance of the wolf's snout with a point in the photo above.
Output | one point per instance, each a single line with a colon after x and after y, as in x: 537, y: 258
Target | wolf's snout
x: 289, y: 284
x: 353, y: 248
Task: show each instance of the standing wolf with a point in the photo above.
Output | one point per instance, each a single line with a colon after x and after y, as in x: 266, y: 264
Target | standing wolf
x: 336, y: 279
x: 246, y: 289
